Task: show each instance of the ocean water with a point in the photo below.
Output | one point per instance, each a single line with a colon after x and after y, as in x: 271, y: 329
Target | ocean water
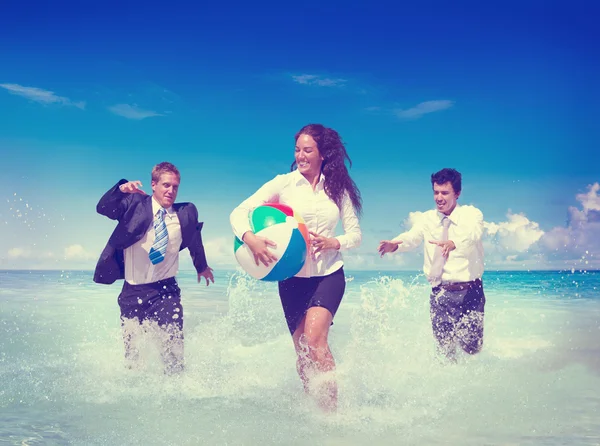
x: 537, y: 380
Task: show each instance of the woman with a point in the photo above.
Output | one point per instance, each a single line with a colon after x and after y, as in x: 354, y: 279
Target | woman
x: 320, y: 189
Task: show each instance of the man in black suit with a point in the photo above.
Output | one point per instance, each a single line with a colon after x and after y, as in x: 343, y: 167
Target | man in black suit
x: 144, y: 251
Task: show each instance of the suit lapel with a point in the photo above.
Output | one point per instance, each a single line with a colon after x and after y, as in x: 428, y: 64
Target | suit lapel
x: 148, y: 209
x: 182, y: 215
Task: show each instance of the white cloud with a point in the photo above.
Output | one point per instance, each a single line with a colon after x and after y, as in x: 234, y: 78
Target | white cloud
x: 132, y: 111
x: 319, y: 81
x: 365, y: 260
x: 40, y: 95
x: 220, y: 251
x: 16, y: 253
x: 423, y: 108
x: 516, y: 234
x: 77, y: 252
x: 520, y: 243
x: 504, y: 242
x: 591, y: 200
x: 413, y: 217
x: 33, y: 257
x: 219, y: 254
x: 579, y: 241
x: 20, y: 253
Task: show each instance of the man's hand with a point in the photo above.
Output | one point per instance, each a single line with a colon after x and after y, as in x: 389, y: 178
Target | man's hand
x: 386, y: 246
x: 260, y: 248
x: 132, y: 187
x: 447, y: 246
x: 207, y: 274
x: 319, y: 242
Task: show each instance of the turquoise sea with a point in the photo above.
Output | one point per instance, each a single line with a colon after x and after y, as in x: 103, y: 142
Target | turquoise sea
x: 536, y: 382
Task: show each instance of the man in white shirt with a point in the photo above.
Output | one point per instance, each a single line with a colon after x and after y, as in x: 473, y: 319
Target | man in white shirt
x: 453, y: 264
x: 144, y: 251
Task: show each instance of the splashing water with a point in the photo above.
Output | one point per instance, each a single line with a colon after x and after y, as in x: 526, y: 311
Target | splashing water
x: 64, y: 379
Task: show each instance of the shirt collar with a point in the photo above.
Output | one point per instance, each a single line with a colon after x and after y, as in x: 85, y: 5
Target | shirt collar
x: 156, y: 206
x: 300, y: 178
x: 452, y: 217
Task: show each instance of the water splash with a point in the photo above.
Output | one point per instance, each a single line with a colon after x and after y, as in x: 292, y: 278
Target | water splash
x: 62, y: 353
x: 29, y: 216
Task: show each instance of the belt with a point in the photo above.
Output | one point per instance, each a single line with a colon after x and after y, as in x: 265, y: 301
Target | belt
x: 459, y: 286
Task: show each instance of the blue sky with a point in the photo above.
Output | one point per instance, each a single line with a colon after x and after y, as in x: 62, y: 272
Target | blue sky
x: 505, y: 94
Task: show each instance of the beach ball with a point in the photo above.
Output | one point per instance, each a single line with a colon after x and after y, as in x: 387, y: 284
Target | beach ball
x: 280, y: 224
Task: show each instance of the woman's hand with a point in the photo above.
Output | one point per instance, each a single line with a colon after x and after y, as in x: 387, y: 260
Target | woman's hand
x: 260, y: 248
x: 318, y: 242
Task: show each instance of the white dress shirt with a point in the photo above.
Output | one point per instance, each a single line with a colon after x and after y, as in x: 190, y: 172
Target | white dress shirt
x: 465, y: 263
x: 138, y: 267
x: 318, y: 211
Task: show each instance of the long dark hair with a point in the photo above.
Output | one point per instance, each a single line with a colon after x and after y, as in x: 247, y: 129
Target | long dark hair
x: 337, y: 178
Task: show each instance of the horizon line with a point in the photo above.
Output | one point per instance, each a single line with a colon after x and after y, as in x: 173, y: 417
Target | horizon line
x: 345, y: 269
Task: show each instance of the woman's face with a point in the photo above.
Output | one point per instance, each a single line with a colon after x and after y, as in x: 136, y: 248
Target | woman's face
x: 308, y: 157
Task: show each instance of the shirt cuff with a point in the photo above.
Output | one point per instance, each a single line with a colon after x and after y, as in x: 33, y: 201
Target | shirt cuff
x: 345, y: 242
x: 239, y: 233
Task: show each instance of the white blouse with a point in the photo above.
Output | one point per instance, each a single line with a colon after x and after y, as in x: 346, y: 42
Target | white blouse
x: 318, y: 211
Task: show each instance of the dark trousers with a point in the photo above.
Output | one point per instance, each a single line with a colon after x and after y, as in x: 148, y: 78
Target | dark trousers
x: 153, y: 308
x: 298, y: 294
x: 457, y: 317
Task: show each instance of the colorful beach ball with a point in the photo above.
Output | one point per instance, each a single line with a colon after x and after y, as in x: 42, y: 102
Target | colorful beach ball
x: 278, y: 223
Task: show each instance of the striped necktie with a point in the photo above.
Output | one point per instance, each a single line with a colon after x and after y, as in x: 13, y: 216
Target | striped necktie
x: 437, y: 264
x: 161, y: 238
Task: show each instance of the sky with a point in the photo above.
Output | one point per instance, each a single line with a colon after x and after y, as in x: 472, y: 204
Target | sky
x: 92, y: 92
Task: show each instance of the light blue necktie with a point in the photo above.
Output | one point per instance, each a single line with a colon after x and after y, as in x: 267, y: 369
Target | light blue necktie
x: 161, y: 238
x: 437, y: 264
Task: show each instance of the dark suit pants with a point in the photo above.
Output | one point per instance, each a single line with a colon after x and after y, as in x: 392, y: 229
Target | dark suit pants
x: 153, y: 308
x: 457, y: 317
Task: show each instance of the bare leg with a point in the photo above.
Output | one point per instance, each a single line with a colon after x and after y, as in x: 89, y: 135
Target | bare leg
x: 303, y: 362
x: 318, y: 367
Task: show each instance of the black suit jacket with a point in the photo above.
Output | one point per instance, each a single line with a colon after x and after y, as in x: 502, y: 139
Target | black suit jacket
x: 134, y: 214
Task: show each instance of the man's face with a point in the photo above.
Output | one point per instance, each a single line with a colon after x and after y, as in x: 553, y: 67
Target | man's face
x: 165, y: 189
x: 445, y: 197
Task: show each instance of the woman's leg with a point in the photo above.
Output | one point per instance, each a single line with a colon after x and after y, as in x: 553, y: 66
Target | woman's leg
x: 315, y: 362
x: 303, y: 360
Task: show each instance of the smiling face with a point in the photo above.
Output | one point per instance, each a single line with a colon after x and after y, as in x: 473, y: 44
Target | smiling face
x: 445, y: 197
x: 308, y: 157
x: 165, y: 189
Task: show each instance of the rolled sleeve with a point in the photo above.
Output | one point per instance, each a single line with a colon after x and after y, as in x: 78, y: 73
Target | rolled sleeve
x: 412, y: 238
x: 471, y: 231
